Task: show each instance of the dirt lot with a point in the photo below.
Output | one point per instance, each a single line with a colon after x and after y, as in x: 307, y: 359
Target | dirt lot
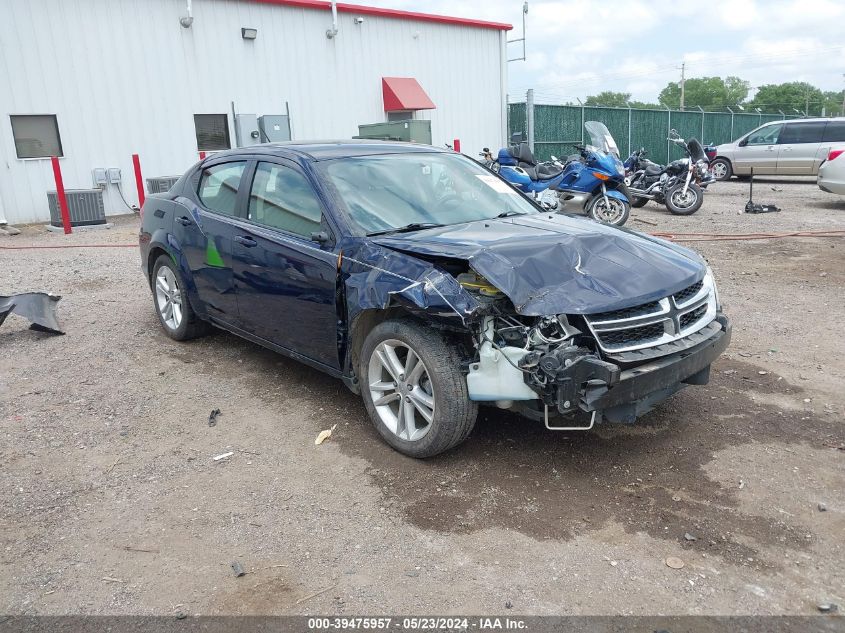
x: 111, y: 502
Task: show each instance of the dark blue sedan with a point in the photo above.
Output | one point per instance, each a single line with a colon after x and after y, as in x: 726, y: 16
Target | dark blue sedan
x: 429, y: 286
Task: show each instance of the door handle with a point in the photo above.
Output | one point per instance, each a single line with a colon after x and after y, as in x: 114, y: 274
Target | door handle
x: 787, y: 148
x: 184, y: 221
x: 245, y: 241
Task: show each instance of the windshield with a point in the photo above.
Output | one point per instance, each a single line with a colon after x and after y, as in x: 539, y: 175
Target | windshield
x: 394, y: 191
x: 696, y: 151
x: 601, y: 138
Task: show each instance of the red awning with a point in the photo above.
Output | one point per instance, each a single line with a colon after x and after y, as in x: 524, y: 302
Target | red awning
x: 404, y: 93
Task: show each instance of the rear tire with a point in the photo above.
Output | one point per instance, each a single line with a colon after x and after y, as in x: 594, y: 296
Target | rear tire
x: 684, y: 204
x: 414, y: 375
x: 721, y: 169
x: 171, y: 302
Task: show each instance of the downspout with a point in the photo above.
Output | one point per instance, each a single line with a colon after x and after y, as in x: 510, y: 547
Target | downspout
x: 187, y: 21
x: 332, y: 32
x: 503, y: 82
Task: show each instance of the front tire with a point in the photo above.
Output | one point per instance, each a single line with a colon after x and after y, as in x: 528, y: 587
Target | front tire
x: 721, y: 169
x: 414, y: 390
x: 173, y: 308
x: 614, y: 212
x: 680, y: 203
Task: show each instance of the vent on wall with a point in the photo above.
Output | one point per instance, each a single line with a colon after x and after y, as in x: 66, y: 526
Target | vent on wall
x: 161, y: 184
x: 84, y: 205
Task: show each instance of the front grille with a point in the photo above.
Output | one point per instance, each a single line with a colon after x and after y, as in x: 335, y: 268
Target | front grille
x: 688, y: 293
x: 656, y: 323
x: 632, y: 336
x: 691, y: 317
x: 627, y: 313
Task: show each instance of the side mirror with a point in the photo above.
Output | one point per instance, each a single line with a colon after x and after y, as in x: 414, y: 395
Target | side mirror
x: 321, y: 237
x: 743, y: 142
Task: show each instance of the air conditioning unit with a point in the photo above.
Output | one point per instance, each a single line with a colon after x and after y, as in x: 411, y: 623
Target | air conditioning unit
x: 84, y: 205
x: 161, y: 184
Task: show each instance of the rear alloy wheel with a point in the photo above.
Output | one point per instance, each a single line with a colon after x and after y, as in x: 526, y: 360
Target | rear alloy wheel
x: 721, y: 169
x: 414, y: 390
x: 608, y: 210
x: 174, y: 311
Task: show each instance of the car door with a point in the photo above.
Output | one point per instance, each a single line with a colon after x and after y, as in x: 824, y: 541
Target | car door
x: 799, y: 143
x: 758, y: 150
x: 204, y: 232
x: 285, y: 269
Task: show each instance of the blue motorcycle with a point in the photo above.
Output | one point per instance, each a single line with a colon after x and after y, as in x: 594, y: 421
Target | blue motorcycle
x: 592, y: 180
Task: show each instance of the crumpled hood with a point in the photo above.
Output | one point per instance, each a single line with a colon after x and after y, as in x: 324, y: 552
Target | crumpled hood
x: 556, y: 264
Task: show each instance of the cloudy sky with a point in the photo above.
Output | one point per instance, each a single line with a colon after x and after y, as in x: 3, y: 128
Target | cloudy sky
x: 581, y: 47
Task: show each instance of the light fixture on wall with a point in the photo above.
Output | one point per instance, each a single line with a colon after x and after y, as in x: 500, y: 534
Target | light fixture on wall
x: 249, y: 34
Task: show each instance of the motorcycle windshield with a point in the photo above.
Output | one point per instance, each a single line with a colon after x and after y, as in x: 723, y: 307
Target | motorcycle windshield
x: 696, y: 151
x: 600, y: 138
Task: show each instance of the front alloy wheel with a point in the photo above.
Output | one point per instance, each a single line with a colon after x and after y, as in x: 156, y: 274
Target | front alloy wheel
x: 608, y: 210
x: 414, y: 388
x: 401, y: 391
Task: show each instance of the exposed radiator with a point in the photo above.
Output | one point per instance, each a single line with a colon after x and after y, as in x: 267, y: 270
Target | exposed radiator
x: 84, y: 205
x: 161, y: 184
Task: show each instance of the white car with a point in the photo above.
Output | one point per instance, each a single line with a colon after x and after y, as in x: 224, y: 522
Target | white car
x: 832, y: 172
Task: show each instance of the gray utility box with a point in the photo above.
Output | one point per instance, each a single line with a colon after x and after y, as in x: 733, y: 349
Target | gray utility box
x: 162, y: 184
x: 412, y: 130
x: 274, y: 128
x: 85, y: 207
x: 246, y: 130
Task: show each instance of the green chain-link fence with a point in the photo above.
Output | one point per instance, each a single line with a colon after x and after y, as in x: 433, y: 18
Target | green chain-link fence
x: 557, y: 128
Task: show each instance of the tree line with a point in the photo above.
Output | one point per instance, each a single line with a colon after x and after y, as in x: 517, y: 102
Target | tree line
x: 718, y: 94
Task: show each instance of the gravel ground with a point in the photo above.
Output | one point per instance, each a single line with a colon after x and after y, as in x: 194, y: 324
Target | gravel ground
x: 112, y: 503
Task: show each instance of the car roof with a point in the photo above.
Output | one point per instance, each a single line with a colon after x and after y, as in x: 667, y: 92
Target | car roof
x: 327, y: 150
x: 816, y: 119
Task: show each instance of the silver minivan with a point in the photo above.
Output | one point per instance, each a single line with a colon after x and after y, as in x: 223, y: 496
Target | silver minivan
x: 787, y: 148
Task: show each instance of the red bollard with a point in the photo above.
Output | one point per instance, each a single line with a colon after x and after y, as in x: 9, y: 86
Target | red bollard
x: 60, y: 194
x: 139, y: 182
x: 456, y: 145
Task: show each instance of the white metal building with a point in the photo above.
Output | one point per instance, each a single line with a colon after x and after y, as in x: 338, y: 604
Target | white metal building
x: 95, y: 81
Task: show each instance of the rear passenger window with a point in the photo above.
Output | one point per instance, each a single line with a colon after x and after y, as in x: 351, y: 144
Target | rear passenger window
x: 809, y: 132
x: 834, y: 132
x: 219, y: 187
x: 282, y: 198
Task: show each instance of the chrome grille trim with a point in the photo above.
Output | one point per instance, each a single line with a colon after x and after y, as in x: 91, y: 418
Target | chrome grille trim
x: 670, y: 313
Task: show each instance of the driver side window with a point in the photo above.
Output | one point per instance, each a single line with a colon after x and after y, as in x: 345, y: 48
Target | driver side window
x: 765, y: 136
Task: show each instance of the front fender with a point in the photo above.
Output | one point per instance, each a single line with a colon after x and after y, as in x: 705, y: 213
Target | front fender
x: 614, y: 193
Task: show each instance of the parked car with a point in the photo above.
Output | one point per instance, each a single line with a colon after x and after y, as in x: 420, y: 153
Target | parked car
x: 832, y: 172
x: 428, y: 285
x: 784, y: 148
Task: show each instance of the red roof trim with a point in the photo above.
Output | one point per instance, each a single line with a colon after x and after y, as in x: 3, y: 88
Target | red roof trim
x: 404, y: 93
x: 391, y: 13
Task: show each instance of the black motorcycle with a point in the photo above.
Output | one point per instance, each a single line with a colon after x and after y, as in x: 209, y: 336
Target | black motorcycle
x: 679, y: 185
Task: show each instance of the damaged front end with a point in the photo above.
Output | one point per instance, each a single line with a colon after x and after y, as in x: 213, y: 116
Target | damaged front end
x: 555, y: 318
x: 614, y: 365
